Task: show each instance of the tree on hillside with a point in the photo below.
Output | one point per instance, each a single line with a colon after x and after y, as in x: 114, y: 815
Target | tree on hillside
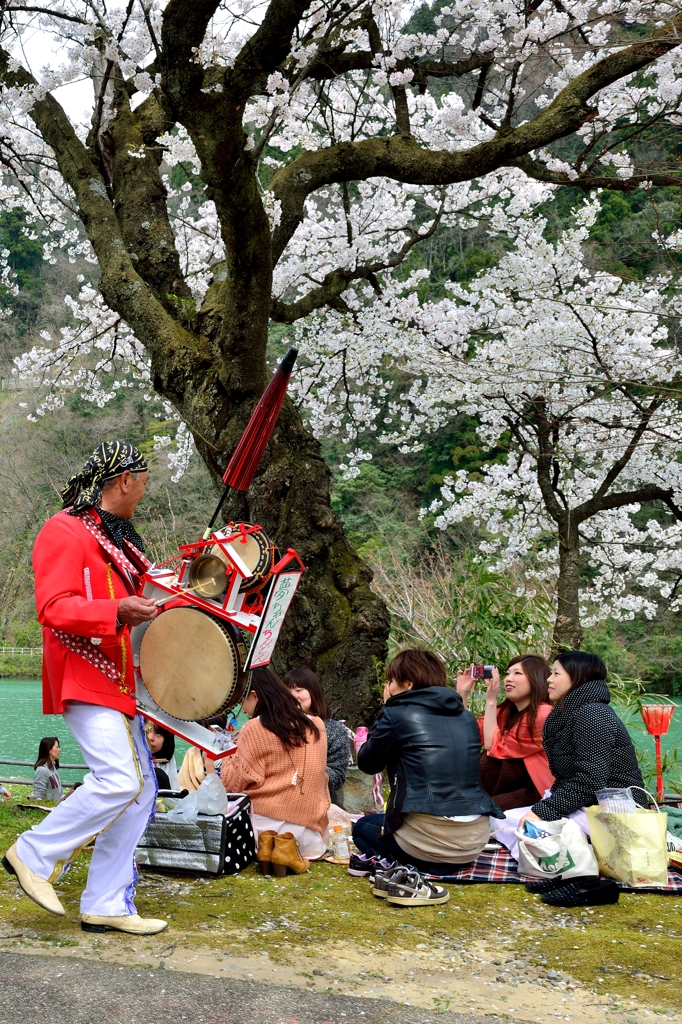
x: 331, y: 138
x: 577, y: 374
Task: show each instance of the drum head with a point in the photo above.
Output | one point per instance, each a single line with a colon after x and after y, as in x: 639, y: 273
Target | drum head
x: 257, y: 552
x: 191, y: 663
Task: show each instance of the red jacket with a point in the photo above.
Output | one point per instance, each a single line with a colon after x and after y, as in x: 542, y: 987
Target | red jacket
x: 78, y: 585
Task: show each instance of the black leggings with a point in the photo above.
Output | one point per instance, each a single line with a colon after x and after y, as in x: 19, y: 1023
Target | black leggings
x: 369, y: 840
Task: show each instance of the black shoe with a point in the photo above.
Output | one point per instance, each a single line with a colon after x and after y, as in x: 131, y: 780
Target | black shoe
x: 363, y: 866
x: 545, y: 884
x: 583, y: 892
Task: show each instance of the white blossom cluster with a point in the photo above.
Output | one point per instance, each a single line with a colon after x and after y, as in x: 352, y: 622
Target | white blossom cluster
x: 592, y: 350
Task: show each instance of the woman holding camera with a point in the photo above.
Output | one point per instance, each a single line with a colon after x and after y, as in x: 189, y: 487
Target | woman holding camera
x: 514, y: 766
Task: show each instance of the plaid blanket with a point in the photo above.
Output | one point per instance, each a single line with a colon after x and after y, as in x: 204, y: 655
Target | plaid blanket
x: 498, y: 865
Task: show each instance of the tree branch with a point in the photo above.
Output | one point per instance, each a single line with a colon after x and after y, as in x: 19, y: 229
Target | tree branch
x: 402, y: 159
x: 540, y: 172
x: 167, y: 343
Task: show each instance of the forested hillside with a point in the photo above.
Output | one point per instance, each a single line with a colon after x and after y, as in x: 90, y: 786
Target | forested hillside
x: 439, y: 592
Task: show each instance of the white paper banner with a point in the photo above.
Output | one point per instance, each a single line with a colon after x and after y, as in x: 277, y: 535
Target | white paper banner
x: 275, y: 609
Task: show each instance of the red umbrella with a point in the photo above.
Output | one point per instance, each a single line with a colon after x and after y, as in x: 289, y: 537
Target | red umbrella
x: 657, y: 718
x: 251, y: 445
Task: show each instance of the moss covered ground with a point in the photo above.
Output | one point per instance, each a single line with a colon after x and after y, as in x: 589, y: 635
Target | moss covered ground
x: 631, y: 949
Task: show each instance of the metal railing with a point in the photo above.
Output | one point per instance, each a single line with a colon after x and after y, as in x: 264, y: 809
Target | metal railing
x: 29, y: 764
x: 21, y: 650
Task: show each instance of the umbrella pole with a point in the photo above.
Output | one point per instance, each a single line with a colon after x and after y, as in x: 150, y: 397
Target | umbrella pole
x: 659, y: 770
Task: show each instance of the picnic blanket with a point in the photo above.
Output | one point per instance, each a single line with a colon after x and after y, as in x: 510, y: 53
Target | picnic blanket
x: 498, y: 865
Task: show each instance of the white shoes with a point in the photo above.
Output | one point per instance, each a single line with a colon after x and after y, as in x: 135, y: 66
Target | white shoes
x: 42, y: 893
x: 35, y: 887
x: 133, y: 924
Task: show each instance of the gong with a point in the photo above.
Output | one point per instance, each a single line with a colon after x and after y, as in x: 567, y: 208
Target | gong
x: 191, y: 663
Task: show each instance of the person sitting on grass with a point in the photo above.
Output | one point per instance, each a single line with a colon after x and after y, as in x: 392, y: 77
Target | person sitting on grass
x: 438, y: 814
x: 162, y: 746
x: 307, y: 690
x: 587, y: 745
x: 514, y: 766
x: 47, y: 784
x: 280, y: 764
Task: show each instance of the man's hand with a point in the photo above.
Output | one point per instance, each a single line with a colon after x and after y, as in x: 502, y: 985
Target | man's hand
x: 134, y: 610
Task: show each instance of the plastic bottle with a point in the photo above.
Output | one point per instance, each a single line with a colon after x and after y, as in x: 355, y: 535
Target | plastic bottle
x: 340, y: 843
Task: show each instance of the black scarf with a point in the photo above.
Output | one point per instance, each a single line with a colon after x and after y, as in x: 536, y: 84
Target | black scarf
x: 120, y: 529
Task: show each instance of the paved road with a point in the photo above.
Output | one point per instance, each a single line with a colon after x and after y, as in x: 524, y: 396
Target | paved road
x: 56, y: 990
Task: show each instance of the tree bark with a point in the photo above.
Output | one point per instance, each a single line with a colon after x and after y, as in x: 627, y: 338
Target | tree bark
x: 568, y: 632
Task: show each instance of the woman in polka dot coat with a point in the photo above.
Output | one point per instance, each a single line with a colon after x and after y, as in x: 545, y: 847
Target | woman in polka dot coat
x: 587, y: 745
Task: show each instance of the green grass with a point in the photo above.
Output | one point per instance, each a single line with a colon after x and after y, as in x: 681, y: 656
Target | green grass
x: 243, y: 913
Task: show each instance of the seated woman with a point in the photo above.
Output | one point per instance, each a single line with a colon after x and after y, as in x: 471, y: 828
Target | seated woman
x: 437, y: 817
x: 162, y: 746
x: 280, y: 764
x: 308, y: 691
x: 47, y: 784
x: 587, y: 745
x: 514, y: 766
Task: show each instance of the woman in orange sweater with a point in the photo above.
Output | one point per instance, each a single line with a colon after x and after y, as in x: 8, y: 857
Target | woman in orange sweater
x: 280, y: 763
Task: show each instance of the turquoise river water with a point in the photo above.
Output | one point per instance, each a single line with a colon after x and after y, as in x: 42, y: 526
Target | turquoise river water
x: 22, y: 724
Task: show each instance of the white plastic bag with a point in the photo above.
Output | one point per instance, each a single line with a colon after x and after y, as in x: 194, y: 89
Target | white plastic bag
x: 211, y: 796
x: 565, y: 853
x: 185, y: 810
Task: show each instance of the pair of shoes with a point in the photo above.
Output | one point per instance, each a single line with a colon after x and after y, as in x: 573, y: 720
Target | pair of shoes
x: 132, y: 924
x: 382, y: 879
x: 278, y: 853
x: 363, y: 866
x: 545, y: 884
x: 36, y: 888
x: 413, y: 890
x: 583, y: 892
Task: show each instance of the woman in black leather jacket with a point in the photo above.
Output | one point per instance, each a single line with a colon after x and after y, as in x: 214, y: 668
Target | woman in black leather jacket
x: 437, y: 817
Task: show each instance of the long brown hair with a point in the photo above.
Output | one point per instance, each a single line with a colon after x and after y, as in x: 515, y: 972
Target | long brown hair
x: 536, y: 671
x: 279, y: 711
x: 46, y: 745
x: 306, y: 679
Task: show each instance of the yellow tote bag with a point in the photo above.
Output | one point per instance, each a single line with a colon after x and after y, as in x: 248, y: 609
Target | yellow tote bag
x: 630, y: 847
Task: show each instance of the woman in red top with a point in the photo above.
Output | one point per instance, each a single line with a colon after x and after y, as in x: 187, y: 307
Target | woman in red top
x: 514, y: 766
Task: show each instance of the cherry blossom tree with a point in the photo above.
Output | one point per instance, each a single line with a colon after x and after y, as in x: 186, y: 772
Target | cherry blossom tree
x: 332, y: 137
x: 577, y: 374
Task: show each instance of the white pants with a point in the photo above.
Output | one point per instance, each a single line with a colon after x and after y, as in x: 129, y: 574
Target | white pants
x: 113, y: 804
x: 311, y: 844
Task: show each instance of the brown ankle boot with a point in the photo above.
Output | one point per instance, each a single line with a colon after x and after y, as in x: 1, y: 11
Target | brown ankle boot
x: 286, y: 856
x: 266, y: 842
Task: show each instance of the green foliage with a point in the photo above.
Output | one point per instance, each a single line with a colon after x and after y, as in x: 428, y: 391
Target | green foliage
x: 26, y: 254
x: 496, y: 622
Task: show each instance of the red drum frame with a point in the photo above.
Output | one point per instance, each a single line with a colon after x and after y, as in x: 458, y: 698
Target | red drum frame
x: 257, y: 611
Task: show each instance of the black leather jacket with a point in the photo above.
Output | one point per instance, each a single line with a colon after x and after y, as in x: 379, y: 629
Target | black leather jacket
x: 431, y: 747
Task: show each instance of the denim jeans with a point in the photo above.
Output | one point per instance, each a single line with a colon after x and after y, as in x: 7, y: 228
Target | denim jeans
x: 369, y: 840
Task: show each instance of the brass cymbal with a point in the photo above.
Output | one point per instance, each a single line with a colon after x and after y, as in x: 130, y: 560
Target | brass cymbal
x: 207, y: 576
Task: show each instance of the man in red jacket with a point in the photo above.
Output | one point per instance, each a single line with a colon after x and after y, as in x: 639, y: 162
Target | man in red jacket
x: 88, y: 562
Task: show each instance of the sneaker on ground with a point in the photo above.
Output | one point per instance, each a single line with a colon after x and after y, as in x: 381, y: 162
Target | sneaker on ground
x: 382, y: 879
x: 362, y: 866
x: 416, y: 891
